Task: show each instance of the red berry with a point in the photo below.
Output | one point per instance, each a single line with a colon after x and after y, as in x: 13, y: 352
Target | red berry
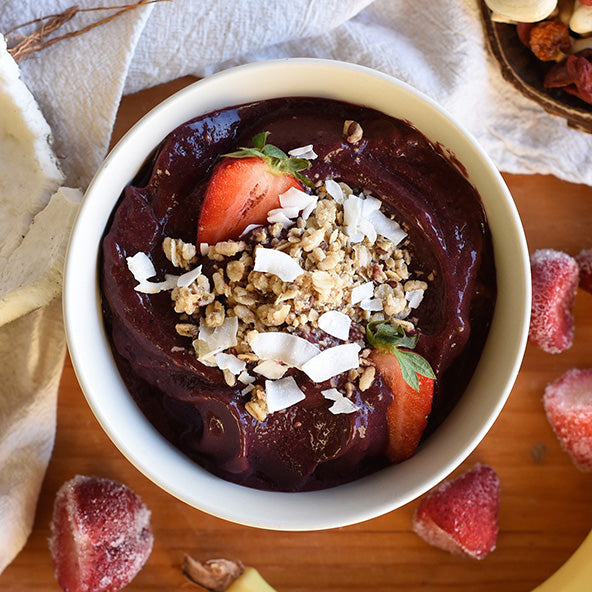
x: 407, y: 415
x: 584, y: 261
x: 241, y: 191
x: 554, y: 285
x: 568, y: 405
x: 461, y: 515
x: 100, y: 535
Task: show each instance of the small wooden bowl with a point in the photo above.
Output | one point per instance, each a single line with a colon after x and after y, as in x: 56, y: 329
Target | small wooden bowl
x: 526, y: 73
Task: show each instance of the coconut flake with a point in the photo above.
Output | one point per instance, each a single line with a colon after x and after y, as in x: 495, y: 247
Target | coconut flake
x: 204, y: 249
x: 212, y: 341
x: 229, y: 362
x: 140, y: 267
x: 270, y: 369
x: 335, y: 323
x: 284, y: 347
x: 245, y: 377
x: 414, y: 297
x: 362, y: 292
x: 247, y: 230
x: 371, y: 304
x: 334, y: 190
x: 332, y: 361
x: 341, y: 404
x: 278, y: 216
x: 185, y: 280
x: 277, y: 263
x: 306, y: 152
x: 281, y: 394
x: 146, y: 287
x: 247, y: 389
x: 386, y: 227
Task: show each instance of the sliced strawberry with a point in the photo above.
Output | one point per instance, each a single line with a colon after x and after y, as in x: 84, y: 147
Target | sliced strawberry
x: 407, y: 415
x: 241, y: 192
x: 554, y: 283
x: 244, y: 187
x: 461, y: 515
x: 568, y: 405
x: 100, y: 535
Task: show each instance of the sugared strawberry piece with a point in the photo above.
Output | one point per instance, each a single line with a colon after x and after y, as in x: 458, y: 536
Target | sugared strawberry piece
x: 100, y: 535
x: 584, y: 261
x: 554, y: 285
x: 244, y: 187
x: 568, y: 405
x: 461, y: 515
x: 407, y: 415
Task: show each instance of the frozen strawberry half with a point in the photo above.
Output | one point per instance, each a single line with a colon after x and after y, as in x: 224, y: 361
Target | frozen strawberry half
x: 555, y: 277
x: 100, y: 535
x: 584, y: 261
x: 245, y: 185
x: 461, y: 515
x: 568, y: 405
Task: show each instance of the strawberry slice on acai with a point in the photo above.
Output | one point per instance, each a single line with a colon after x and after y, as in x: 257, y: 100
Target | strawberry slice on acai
x: 245, y: 185
x: 411, y: 382
x: 461, y: 515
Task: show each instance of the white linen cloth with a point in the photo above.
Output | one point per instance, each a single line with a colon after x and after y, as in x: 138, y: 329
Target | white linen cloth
x: 438, y: 47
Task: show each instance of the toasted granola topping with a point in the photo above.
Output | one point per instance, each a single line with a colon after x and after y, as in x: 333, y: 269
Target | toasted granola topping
x: 334, y: 266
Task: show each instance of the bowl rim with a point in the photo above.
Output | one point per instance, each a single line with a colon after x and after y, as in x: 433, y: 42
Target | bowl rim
x: 161, y: 462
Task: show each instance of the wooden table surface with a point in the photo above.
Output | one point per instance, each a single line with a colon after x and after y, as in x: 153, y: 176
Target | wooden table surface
x: 545, y: 507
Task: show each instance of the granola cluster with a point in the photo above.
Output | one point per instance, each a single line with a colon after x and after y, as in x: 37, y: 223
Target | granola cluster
x: 333, y: 265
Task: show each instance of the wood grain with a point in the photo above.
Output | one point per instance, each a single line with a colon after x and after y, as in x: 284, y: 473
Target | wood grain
x: 545, y: 504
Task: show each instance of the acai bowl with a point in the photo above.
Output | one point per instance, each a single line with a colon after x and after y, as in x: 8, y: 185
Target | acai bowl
x: 188, y: 332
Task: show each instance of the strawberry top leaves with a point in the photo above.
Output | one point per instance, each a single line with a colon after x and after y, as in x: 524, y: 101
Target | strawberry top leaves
x: 383, y: 335
x: 277, y: 159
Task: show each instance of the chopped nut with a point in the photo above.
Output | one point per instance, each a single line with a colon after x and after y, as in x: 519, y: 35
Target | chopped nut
x: 179, y: 253
x: 187, y: 330
x: 257, y: 405
x: 273, y: 314
x: 367, y: 378
x: 235, y: 271
x: 229, y: 377
x: 352, y: 131
x: 215, y: 314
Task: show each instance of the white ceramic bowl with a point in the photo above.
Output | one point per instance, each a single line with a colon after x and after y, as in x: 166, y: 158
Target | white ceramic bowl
x: 371, y: 496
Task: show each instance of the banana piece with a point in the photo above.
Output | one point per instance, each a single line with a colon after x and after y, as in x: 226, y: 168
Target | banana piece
x: 521, y: 11
x: 575, y: 575
x: 250, y: 581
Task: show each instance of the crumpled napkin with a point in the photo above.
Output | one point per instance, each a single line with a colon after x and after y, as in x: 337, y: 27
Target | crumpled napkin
x: 438, y: 47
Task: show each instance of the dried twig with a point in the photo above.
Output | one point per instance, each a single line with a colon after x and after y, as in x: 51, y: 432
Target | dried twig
x: 21, y: 46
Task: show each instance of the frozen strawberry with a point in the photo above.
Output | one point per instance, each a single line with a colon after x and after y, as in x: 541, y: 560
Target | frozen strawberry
x: 584, y: 261
x: 244, y: 187
x: 554, y: 285
x: 568, y: 405
x: 407, y: 415
x: 461, y: 515
x: 100, y: 535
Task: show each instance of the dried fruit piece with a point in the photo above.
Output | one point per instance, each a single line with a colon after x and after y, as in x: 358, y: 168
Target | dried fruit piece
x: 584, y: 261
x: 568, y: 405
x: 100, y: 535
x: 554, y: 284
x: 549, y: 40
x: 573, y: 75
x: 461, y: 515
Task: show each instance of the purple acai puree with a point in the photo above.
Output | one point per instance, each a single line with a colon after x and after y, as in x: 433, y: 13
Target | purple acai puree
x: 304, y: 446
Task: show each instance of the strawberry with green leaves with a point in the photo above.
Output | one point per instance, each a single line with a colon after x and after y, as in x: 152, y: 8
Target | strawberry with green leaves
x: 411, y: 380
x: 245, y: 185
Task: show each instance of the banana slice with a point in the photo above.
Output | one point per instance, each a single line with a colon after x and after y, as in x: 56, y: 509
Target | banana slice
x: 575, y: 575
x: 521, y: 11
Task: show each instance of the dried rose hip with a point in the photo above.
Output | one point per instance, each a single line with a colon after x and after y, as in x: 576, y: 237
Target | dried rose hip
x: 100, y: 535
x: 573, y: 75
x: 549, y: 40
